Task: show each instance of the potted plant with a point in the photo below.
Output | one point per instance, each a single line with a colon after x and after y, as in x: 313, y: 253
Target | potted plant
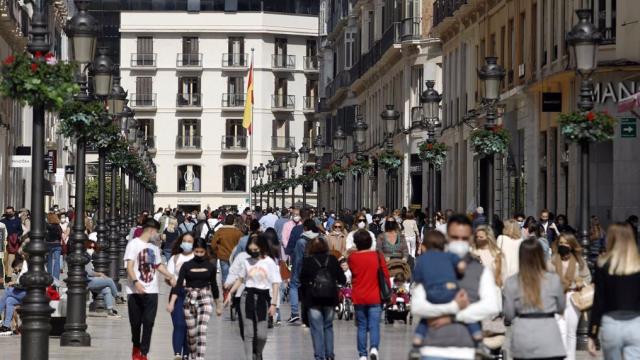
x: 434, y: 153
x: 589, y: 127
x: 490, y: 141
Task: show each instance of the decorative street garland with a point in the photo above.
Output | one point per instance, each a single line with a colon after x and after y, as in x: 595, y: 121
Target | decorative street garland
x: 40, y: 80
x: 359, y: 167
x: 590, y: 127
x: 337, y: 172
x: 433, y: 153
x: 389, y: 161
x: 488, y: 142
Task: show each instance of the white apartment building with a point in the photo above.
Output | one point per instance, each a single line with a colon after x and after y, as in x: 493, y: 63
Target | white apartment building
x: 187, y: 73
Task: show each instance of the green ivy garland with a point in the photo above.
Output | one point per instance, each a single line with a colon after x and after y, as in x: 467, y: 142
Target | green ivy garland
x: 359, y: 167
x: 389, y: 161
x: 488, y: 142
x: 589, y: 127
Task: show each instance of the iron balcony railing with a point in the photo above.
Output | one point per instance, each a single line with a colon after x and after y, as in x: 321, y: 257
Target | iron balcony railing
x: 283, y: 102
x: 608, y: 36
x: 150, y: 141
x: 281, y: 61
x: 143, y: 100
x: 338, y: 14
x: 309, y: 103
x: 233, y: 100
x: 189, y: 60
x: 235, y: 60
x: 443, y: 9
x: 310, y: 63
x: 237, y: 143
x: 189, y: 99
x: 188, y: 142
x: 284, y: 143
x: 409, y: 29
x: 143, y: 60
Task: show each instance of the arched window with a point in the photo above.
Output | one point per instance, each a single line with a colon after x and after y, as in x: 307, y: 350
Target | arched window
x: 189, y: 177
x: 235, y: 178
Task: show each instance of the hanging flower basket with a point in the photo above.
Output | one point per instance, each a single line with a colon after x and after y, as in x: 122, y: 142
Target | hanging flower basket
x: 389, y: 161
x: 359, y: 167
x: 590, y: 127
x: 337, y: 172
x: 488, y: 142
x: 38, y: 81
x: 80, y: 119
x: 433, y: 153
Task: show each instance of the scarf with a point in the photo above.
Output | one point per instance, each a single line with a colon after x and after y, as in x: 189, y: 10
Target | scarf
x: 569, y: 276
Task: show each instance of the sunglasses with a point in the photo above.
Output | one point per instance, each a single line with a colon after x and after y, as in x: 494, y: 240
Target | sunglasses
x: 337, y: 227
x: 362, y: 219
x: 460, y: 238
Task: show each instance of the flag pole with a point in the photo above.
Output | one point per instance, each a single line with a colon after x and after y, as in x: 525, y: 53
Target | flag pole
x: 251, y: 142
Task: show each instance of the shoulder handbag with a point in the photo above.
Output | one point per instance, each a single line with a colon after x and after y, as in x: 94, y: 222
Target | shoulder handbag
x: 285, y: 273
x: 583, y: 299
x: 383, y: 285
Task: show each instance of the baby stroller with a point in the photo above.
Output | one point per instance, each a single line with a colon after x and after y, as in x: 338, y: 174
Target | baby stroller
x: 400, y: 305
x: 345, y: 308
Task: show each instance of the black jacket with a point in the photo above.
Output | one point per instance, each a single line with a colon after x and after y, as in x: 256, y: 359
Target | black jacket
x: 307, y: 275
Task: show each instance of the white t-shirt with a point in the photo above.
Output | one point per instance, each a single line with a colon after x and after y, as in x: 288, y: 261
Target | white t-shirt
x: 234, y: 271
x: 146, y: 259
x: 175, y: 263
x: 352, y: 245
x: 261, y: 273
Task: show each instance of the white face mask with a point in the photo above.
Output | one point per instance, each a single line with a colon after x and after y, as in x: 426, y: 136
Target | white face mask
x: 521, y: 223
x: 296, y: 218
x: 362, y: 225
x: 90, y: 252
x: 458, y: 247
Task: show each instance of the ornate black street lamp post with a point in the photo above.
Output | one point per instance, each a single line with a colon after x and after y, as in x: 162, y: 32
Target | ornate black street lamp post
x: 254, y: 182
x: 339, y: 140
x: 304, y: 157
x: 35, y: 310
x: 276, y: 174
x: 284, y: 167
x: 430, y: 100
x: 492, y: 75
x: 293, y: 162
x: 360, y: 130
x: 390, y: 117
x: 128, y: 126
x: 319, y: 148
x: 269, y: 169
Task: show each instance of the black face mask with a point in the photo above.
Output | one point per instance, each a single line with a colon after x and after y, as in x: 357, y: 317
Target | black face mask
x: 254, y: 254
x: 564, y: 250
x: 198, y: 258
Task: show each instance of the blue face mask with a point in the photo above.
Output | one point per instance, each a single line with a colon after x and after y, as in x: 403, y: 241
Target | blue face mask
x: 187, y: 247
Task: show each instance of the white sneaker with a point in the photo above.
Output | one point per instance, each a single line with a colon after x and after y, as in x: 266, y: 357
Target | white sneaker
x: 373, y: 354
x: 363, y: 358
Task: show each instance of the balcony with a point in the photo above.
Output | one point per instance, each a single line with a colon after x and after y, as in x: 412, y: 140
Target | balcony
x: 338, y: 20
x: 188, y: 145
x: 608, y: 36
x: 443, y: 9
x: 281, y: 62
x: 150, y: 143
x: 309, y: 142
x: 189, y: 62
x: 233, y: 102
x: 341, y: 82
x: 143, y: 102
x: 309, y: 104
x: 282, y: 144
x: 409, y: 29
x: 234, y: 144
x: 143, y: 61
x: 189, y: 102
x: 283, y: 103
x: 233, y: 61
x: 310, y: 64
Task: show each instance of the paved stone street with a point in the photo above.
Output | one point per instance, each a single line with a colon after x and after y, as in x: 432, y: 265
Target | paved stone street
x: 111, y: 340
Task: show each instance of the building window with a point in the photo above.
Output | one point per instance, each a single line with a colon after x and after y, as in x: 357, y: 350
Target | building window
x: 144, y: 91
x: 188, y: 133
x: 280, y: 51
x: 236, y: 55
x: 234, y: 178
x: 534, y: 38
x: 146, y: 125
x: 188, y: 91
x: 235, y: 135
x: 604, y: 15
x: 145, y: 56
x: 189, y: 178
x: 349, y: 49
x: 190, y: 52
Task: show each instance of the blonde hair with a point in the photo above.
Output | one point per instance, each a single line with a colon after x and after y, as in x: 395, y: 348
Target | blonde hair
x: 622, y: 251
x: 576, y: 248
x: 493, y: 249
x: 512, y: 229
x: 173, y: 224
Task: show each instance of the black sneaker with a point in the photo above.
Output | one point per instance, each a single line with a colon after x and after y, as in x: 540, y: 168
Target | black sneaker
x: 293, y: 319
x: 5, y: 331
x: 414, y: 353
x: 270, y: 323
x: 112, y: 313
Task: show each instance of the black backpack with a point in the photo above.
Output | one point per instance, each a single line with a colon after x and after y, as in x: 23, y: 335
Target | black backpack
x: 323, y: 285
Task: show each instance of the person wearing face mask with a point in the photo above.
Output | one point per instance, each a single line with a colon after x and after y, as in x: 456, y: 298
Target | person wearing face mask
x: 182, y: 251
x: 509, y: 243
x: 288, y: 227
x: 260, y: 276
x: 13, y: 226
x: 337, y: 238
x: 477, y: 300
x: 375, y: 227
x: 101, y: 283
x: 308, y: 231
x: 360, y: 223
x: 574, y: 273
x: 197, y: 279
x: 391, y: 242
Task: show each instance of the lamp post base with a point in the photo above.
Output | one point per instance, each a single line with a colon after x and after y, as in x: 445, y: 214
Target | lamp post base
x: 75, y: 339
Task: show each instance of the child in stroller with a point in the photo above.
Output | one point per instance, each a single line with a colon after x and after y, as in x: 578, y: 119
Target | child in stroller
x: 398, y: 308
x: 345, y: 309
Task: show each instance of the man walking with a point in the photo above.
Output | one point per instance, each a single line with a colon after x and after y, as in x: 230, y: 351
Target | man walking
x: 224, y: 241
x: 477, y: 300
x: 268, y: 220
x: 14, y: 231
x: 143, y: 264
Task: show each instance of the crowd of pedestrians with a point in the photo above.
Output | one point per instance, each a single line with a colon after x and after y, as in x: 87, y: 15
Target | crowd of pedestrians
x: 515, y: 288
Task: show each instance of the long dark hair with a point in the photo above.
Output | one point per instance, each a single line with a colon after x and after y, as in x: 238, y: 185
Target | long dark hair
x: 274, y: 243
x: 176, y: 249
x: 201, y: 243
x: 261, y: 242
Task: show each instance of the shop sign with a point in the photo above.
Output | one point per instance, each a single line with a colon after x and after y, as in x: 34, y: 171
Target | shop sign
x: 21, y: 161
x: 628, y: 128
x: 614, y: 91
x: 551, y: 102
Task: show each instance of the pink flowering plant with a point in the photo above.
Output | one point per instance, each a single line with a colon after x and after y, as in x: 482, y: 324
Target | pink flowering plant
x: 589, y: 127
x: 39, y: 80
x: 434, y: 153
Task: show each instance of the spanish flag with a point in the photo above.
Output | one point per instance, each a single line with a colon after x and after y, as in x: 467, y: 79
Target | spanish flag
x: 247, y: 118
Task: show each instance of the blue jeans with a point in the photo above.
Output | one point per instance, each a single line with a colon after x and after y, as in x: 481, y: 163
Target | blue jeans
x: 321, y: 325
x: 53, y: 260
x: 368, y: 318
x: 8, y: 302
x: 224, y: 270
x: 167, y: 254
x: 293, y: 295
x: 106, y: 287
x: 620, y: 338
x: 179, y: 337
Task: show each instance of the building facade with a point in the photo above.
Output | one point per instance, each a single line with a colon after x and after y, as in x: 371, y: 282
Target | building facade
x: 540, y: 169
x: 187, y: 74
x: 374, y: 54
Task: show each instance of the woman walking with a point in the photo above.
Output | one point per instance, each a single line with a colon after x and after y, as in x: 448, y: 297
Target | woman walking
x: 509, y: 243
x: 337, y: 238
x: 485, y: 248
x: 169, y: 237
x: 364, y: 265
x: 54, y: 244
x: 411, y: 233
x: 532, y: 298
x: 597, y: 241
x: 616, y: 304
x: 574, y: 274
x: 391, y: 242
x: 260, y: 275
x: 319, y: 278
x: 182, y: 252
x: 198, y: 279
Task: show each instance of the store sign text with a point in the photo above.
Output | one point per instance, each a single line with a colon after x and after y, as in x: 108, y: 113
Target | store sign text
x: 614, y: 91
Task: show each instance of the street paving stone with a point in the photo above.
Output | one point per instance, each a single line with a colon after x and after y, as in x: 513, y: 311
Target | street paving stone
x: 111, y: 340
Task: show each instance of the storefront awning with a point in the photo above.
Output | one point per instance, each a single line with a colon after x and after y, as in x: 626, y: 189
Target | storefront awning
x: 631, y: 104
